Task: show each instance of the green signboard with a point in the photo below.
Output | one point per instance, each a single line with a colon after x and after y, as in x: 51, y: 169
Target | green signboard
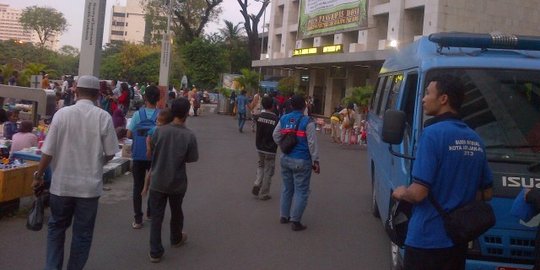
x: 321, y: 17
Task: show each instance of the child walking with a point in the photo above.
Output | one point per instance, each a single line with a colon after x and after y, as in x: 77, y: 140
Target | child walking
x: 173, y: 146
x: 164, y: 117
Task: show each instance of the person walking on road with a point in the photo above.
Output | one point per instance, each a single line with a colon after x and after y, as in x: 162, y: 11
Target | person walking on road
x: 241, y: 104
x: 296, y: 166
x: 266, y: 122
x: 450, y: 166
x: 173, y: 146
x: 76, y: 151
x: 140, y: 124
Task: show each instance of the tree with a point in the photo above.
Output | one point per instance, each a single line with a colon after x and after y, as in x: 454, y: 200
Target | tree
x: 203, y: 61
x: 235, y: 41
x: 131, y: 62
x: 249, y: 80
x: 28, y: 71
x: 46, y: 22
x: 69, y: 50
x: 232, y: 34
x: 189, y: 17
x: 288, y: 86
x: 360, y: 96
x: 251, y: 24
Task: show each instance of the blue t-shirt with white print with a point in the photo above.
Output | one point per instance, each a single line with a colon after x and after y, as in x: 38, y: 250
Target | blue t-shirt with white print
x: 451, y: 162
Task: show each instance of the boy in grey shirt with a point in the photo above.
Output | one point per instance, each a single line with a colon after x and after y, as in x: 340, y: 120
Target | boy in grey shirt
x: 173, y: 146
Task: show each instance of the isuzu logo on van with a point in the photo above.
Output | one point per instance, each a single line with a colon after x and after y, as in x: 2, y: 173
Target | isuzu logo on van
x: 517, y: 181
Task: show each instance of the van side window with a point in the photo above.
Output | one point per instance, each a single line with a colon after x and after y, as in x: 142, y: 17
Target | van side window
x: 384, y: 96
x: 394, y: 92
x: 376, y: 96
x: 409, y: 99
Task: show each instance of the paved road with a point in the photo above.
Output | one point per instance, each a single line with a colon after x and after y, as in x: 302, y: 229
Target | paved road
x: 227, y: 227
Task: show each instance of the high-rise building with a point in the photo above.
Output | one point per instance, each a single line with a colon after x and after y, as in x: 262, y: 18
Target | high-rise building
x: 332, y: 46
x: 127, y: 22
x: 11, y: 28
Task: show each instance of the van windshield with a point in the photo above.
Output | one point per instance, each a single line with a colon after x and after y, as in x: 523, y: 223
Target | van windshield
x: 503, y: 107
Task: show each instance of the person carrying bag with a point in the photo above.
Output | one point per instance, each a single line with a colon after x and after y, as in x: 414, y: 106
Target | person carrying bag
x: 468, y: 222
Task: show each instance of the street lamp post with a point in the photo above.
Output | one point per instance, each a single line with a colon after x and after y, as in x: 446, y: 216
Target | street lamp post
x: 165, y: 62
x: 262, y: 39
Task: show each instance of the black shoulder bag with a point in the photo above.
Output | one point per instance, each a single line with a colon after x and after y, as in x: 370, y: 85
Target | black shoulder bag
x: 289, y: 140
x: 467, y: 222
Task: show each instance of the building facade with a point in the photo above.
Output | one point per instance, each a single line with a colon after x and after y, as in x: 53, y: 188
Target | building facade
x: 128, y: 23
x: 12, y: 29
x: 331, y: 48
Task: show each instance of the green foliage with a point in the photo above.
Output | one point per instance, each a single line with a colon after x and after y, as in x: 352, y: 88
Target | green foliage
x: 360, y: 96
x: 16, y: 56
x: 203, y: 62
x: 28, y: 71
x: 131, y: 62
x: 288, y: 86
x: 249, y: 80
x: 189, y: 18
x: 46, y: 22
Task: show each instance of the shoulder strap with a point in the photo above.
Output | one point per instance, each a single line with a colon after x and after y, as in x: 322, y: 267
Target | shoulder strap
x: 142, y: 114
x: 298, y: 124
x: 437, y: 205
x: 154, y: 115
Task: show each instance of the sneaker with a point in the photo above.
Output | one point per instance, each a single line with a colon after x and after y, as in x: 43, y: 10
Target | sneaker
x: 154, y: 259
x: 182, y: 241
x: 284, y: 220
x: 136, y: 225
x: 255, y: 190
x: 297, y: 226
x: 265, y: 198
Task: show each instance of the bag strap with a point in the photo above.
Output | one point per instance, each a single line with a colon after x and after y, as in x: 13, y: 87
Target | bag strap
x: 142, y: 114
x: 154, y: 115
x: 298, y: 124
x: 438, y: 207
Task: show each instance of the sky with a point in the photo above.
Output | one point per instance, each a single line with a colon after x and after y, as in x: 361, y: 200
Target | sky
x: 73, y: 12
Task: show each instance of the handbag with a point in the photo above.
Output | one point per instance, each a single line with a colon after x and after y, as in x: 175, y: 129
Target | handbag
x: 397, y: 223
x: 289, y: 140
x: 34, y: 221
x: 466, y: 222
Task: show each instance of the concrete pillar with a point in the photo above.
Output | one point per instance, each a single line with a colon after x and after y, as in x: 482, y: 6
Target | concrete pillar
x: 329, y: 88
x: 92, y: 37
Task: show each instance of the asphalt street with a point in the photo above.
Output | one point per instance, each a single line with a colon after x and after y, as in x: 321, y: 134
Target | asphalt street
x: 227, y: 227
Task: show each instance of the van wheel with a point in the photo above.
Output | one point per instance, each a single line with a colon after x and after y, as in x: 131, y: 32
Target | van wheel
x: 374, y: 206
x: 397, y: 260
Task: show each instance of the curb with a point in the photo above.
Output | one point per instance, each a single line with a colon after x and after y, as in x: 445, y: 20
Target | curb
x: 115, y: 168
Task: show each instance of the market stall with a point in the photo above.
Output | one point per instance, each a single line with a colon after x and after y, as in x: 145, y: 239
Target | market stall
x: 42, y: 103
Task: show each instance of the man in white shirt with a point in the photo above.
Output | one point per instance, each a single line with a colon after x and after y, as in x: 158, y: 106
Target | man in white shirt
x: 80, y: 141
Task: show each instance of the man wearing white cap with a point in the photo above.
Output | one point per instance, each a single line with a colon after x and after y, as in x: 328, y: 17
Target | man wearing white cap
x: 80, y: 141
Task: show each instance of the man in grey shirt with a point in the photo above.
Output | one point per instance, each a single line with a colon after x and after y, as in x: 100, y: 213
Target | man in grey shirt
x: 173, y: 146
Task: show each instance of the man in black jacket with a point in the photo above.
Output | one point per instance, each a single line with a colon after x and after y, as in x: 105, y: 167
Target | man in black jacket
x: 266, y: 147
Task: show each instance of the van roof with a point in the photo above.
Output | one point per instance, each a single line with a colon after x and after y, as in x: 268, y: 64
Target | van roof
x: 424, y: 55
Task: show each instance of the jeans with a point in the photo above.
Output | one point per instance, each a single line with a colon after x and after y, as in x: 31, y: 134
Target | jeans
x: 140, y: 167
x: 158, y: 202
x: 241, y: 120
x: 296, y: 174
x: 452, y: 258
x: 63, y: 210
x: 265, y: 171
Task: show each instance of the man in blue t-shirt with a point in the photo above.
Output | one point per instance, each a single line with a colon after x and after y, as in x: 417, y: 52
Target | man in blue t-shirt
x: 450, y: 165
x: 241, y: 103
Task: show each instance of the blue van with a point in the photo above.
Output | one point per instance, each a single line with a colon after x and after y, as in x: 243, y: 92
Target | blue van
x: 502, y: 104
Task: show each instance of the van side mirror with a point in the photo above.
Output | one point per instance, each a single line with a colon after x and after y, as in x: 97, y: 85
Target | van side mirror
x: 393, y: 126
